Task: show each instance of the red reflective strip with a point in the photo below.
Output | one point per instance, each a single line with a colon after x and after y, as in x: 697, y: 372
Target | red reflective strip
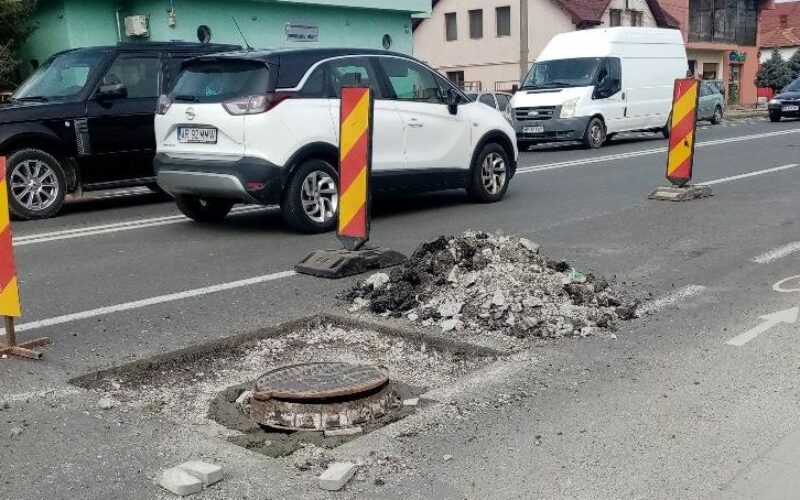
x: 3, y: 168
x: 683, y: 171
x: 681, y: 130
x: 354, y: 162
x: 350, y: 99
x: 358, y: 224
x: 7, y: 270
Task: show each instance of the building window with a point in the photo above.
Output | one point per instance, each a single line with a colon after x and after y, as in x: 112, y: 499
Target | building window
x: 637, y: 18
x: 615, y: 17
x: 387, y: 41
x: 784, y: 20
x: 451, y: 26
x: 476, y: 23
x: 457, y: 77
x: 203, y: 34
x: 710, y: 71
x: 723, y: 21
x: 692, y: 67
x: 503, y: 21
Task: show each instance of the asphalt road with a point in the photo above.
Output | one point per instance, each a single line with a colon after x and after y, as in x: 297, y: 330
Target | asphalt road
x: 667, y: 410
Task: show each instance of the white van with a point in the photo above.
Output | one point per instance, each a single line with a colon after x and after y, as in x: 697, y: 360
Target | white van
x: 589, y: 85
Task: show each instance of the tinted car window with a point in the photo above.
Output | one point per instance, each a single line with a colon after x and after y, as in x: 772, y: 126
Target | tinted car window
x: 352, y: 71
x: 217, y: 81
x: 410, y: 81
x: 487, y: 99
x: 502, y: 101
x: 61, y: 77
x: 317, y: 84
x: 138, y: 74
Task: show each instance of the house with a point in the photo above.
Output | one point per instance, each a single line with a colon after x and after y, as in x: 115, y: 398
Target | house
x: 780, y: 28
x: 490, y: 44
x: 722, y: 41
x: 64, y: 24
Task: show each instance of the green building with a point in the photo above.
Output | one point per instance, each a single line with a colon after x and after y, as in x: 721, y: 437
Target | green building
x: 64, y: 24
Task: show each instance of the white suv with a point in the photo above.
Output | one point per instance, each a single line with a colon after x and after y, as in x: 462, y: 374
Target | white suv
x: 263, y: 127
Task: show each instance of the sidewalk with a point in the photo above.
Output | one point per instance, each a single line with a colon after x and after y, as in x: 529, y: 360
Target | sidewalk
x: 744, y: 112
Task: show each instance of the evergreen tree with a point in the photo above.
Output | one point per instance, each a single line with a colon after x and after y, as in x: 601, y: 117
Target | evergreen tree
x: 14, y: 30
x: 774, y: 73
x: 794, y: 64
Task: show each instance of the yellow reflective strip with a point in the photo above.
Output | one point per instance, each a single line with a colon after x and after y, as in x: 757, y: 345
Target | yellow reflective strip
x: 9, y: 299
x: 4, y: 221
x: 685, y: 105
x: 355, y: 124
x: 353, y: 199
x: 680, y: 153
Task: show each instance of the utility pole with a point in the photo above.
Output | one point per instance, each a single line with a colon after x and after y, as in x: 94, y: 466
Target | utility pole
x: 523, y: 40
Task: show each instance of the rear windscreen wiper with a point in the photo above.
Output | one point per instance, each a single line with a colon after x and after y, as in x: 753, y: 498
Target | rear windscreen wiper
x: 39, y: 98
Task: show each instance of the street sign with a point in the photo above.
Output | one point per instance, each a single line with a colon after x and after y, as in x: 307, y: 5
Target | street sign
x: 683, y: 129
x: 355, y: 166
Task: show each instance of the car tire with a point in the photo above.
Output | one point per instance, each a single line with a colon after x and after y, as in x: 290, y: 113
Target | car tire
x: 523, y: 146
x: 595, y: 134
x: 490, y: 175
x: 203, y: 209
x: 311, y: 198
x: 716, y: 118
x: 47, y: 175
x: 774, y: 116
x: 609, y: 137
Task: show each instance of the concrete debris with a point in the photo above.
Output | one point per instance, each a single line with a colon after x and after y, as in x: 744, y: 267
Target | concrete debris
x: 205, y: 472
x: 447, y: 458
x: 180, y: 482
x: 482, y: 282
x: 15, y: 431
x: 106, y: 403
x: 411, y: 402
x: 336, y: 476
x: 378, y: 280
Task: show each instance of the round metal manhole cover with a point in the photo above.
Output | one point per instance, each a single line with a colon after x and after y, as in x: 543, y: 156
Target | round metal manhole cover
x: 320, y: 381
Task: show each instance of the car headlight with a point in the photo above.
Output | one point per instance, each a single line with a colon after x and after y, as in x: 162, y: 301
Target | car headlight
x: 775, y: 102
x: 509, y: 113
x: 568, y: 108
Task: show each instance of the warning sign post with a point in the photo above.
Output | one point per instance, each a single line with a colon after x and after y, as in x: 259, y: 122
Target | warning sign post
x: 680, y: 154
x: 9, y: 285
x: 356, y: 122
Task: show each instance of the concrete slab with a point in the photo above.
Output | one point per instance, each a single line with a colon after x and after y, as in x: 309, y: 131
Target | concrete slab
x: 205, y: 472
x: 336, y: 476
x: 686, y: 193
x: 180, y: 482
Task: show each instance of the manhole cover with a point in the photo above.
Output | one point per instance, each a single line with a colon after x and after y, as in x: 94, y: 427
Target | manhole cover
x: 319, y: 381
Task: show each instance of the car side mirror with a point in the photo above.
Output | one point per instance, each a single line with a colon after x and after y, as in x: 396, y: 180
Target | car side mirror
x: 112, y: 91
x: 453, y: 100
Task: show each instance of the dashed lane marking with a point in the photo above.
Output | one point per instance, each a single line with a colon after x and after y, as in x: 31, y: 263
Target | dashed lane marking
x: 777, y: 253
x: 749, y: 174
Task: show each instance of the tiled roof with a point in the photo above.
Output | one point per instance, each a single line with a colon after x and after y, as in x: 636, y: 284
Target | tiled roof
x: 786, y: 37
x: 780, y: 27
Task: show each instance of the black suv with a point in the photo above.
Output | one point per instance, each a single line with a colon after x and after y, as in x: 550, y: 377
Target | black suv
x: 84, y: 121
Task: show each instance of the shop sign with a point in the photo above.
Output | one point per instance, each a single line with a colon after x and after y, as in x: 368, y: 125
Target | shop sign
x: 738, y: 57
x: 302, y: 32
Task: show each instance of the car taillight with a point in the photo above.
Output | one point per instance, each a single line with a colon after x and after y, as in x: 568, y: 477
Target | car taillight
x: 255, y: 104
x: 164, y: 102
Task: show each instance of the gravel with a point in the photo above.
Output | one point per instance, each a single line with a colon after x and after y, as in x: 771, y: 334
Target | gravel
x: 491, y: 283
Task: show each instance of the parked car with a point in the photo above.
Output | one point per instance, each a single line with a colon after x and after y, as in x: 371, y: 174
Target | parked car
x: 710, y: 104
x: 588, y: 85
x: 263, y: 128
x: 84, y: 121
x: 786, y: 104
x: 496, y: 100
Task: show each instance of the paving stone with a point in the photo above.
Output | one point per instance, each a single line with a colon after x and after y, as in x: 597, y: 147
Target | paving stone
x: 336, y: 476
x: 205, y: 472
x: 180, y: 482
x: 350, y: 431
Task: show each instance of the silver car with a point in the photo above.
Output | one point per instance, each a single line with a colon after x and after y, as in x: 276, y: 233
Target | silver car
x: 711, y: 104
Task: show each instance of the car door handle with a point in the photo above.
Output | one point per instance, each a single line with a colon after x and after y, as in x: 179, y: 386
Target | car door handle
x: 414, y: 123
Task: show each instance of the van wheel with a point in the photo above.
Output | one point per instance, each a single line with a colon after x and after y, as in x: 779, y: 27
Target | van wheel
x: 490, y: 174
x: 36, y: 184
x: 716, y: 118
x: 203, y: 209
x: 774, y: 116
x: 595, y: 134
x: 311, y: 199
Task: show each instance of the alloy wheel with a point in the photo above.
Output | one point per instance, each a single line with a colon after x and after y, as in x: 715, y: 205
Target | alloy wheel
x: 493, y: 173
x: 34, y: 185
x: 320, y: 197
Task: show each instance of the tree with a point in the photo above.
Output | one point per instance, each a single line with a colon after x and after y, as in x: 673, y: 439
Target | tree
x: 794, y: 64
x: 774, y: 72
x: 14, y: 30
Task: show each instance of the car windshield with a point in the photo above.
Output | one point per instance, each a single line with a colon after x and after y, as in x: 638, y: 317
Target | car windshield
x: 793, y: 87
x: 217, y: 81
x: 560, y: 73
x: 61, y: 77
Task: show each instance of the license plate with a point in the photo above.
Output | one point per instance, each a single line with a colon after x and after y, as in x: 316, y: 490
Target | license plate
x: 533, y: 130
x: 205, y: 135
x: 791, y: 108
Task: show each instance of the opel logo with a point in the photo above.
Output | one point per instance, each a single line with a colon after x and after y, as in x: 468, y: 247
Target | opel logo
x: 190, y: 115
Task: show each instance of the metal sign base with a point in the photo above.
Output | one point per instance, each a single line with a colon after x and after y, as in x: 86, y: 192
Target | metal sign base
x: 685, y: 193
x: 335, y: 264
x: 23, y: 350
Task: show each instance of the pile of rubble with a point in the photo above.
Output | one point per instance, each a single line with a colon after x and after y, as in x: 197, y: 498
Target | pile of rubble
x: 480, y: 281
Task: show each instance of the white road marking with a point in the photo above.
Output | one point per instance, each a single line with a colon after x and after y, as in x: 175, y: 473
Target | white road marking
x: 43, y: 394
x: 81, y: 232
x: 646, y: 152
x: 161, y: 299
x: 670, y: 299
x: 749, y: 174
x: 777, y: 253
x: 789, y: 316
x: 779, y: 286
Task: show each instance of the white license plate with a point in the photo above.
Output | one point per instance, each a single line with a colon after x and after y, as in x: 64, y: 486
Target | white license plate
x: 790, y: 108
x: 204, y: 135
x: 533, y: 130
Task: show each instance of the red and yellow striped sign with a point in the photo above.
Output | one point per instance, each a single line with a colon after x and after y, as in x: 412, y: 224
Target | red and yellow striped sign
x: 680, y: 158
x: 355, y: 165
x: 9, y: 289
